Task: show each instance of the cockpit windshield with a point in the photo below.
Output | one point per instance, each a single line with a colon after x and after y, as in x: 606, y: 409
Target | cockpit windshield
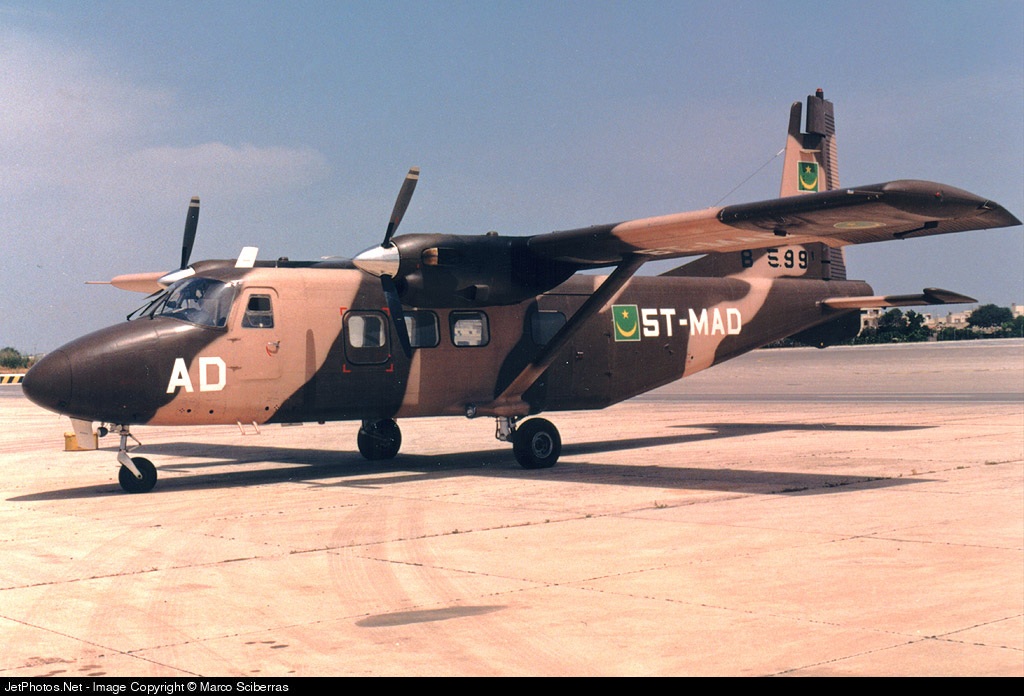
x: 199, y: 301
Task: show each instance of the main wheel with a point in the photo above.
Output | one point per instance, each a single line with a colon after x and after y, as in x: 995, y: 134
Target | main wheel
x: 130, y: 484
x: 536, y: 444
x: 379, y: 439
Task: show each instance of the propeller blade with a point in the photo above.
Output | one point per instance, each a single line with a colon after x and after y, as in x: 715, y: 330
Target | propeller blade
x: 397, y: 315
x: 401, y: 203
x: 191, y: 223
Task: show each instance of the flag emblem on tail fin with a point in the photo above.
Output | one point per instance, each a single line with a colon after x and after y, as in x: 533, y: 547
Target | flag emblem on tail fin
x: 626, y: 320
x: 808, y: 176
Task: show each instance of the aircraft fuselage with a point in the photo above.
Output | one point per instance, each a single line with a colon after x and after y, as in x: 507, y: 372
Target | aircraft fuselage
x: 298, y: 345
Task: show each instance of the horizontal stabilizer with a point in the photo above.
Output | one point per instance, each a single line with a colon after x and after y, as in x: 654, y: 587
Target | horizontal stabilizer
x: 930, y: 296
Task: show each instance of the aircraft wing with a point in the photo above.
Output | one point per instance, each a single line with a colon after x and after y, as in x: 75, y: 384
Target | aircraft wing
x: 894, y: 210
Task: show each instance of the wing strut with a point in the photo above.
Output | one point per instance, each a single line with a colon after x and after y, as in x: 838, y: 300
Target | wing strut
x: 509, y: 402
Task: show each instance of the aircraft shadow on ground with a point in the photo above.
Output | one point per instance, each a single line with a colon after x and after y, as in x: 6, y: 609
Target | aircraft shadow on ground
x: 348, y: 469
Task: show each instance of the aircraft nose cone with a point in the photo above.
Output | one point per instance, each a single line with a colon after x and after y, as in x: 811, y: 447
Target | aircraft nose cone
x: 48, y: 383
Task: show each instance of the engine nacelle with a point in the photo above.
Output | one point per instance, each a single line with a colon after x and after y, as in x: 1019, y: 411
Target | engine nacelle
x: 439, y: 270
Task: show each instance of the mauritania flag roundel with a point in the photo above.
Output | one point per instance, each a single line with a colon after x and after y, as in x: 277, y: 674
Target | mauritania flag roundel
x: 808, y: 176
x: 626, y: 320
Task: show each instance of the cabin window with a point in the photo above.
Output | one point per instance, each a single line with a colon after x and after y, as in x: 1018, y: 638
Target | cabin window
x: 366, y: 330
x: 259, y: 313
x: 469, y: 329
x: 366, y: 338
x: 544, y: 326
x: 423, y: 329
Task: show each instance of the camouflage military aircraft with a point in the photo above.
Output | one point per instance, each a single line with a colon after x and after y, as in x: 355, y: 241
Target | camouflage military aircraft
x: 490, y: 325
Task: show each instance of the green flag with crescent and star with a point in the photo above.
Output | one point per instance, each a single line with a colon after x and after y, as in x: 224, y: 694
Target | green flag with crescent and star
x: 808, y: 176
x: 626, y: 320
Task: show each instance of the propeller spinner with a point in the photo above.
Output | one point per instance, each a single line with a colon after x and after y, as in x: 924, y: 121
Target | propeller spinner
x: 384, y: 261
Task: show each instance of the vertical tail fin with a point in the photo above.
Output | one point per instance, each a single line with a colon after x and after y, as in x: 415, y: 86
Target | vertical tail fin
x: 810, y: 166
x: 811, y: 162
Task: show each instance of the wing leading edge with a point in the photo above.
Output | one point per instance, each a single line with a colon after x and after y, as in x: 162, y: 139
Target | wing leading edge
x: 880, y: 212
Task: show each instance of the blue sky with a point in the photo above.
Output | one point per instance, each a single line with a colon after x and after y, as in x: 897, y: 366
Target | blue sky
x: 295, y: 122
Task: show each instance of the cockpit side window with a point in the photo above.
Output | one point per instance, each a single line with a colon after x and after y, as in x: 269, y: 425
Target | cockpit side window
x: 259, y: 313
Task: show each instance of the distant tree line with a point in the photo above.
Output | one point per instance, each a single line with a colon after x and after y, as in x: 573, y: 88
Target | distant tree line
x: 11, y: 359
x: 987, y: 321
x: 896, y: 326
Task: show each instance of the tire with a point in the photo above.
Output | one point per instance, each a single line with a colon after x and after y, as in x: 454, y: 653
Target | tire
x: 537, y: 444
x: 130, y: 484
x: 379, y: 440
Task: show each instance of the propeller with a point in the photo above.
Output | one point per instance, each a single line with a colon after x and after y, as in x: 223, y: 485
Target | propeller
x: 397, y: 316
x: 401, y: 203
x: 187, y: 241
x: 384, y: 261
x: 156, y: 281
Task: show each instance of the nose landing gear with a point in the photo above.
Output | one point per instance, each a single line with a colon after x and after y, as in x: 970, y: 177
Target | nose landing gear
x: 137, y: 474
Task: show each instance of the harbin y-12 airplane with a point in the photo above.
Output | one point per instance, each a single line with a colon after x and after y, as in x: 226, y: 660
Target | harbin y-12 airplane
x: 495, y: 325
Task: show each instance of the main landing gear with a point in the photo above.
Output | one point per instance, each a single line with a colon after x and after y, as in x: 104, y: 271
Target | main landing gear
x: 137, y: 474
x: 379, y: 439
x: 535, y: 442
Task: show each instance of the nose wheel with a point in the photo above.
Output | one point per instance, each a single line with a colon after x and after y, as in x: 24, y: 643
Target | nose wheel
x: 143, y: 483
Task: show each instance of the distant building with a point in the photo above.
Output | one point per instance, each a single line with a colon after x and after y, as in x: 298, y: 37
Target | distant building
x: 869, y: 318
x: 956, y: 320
